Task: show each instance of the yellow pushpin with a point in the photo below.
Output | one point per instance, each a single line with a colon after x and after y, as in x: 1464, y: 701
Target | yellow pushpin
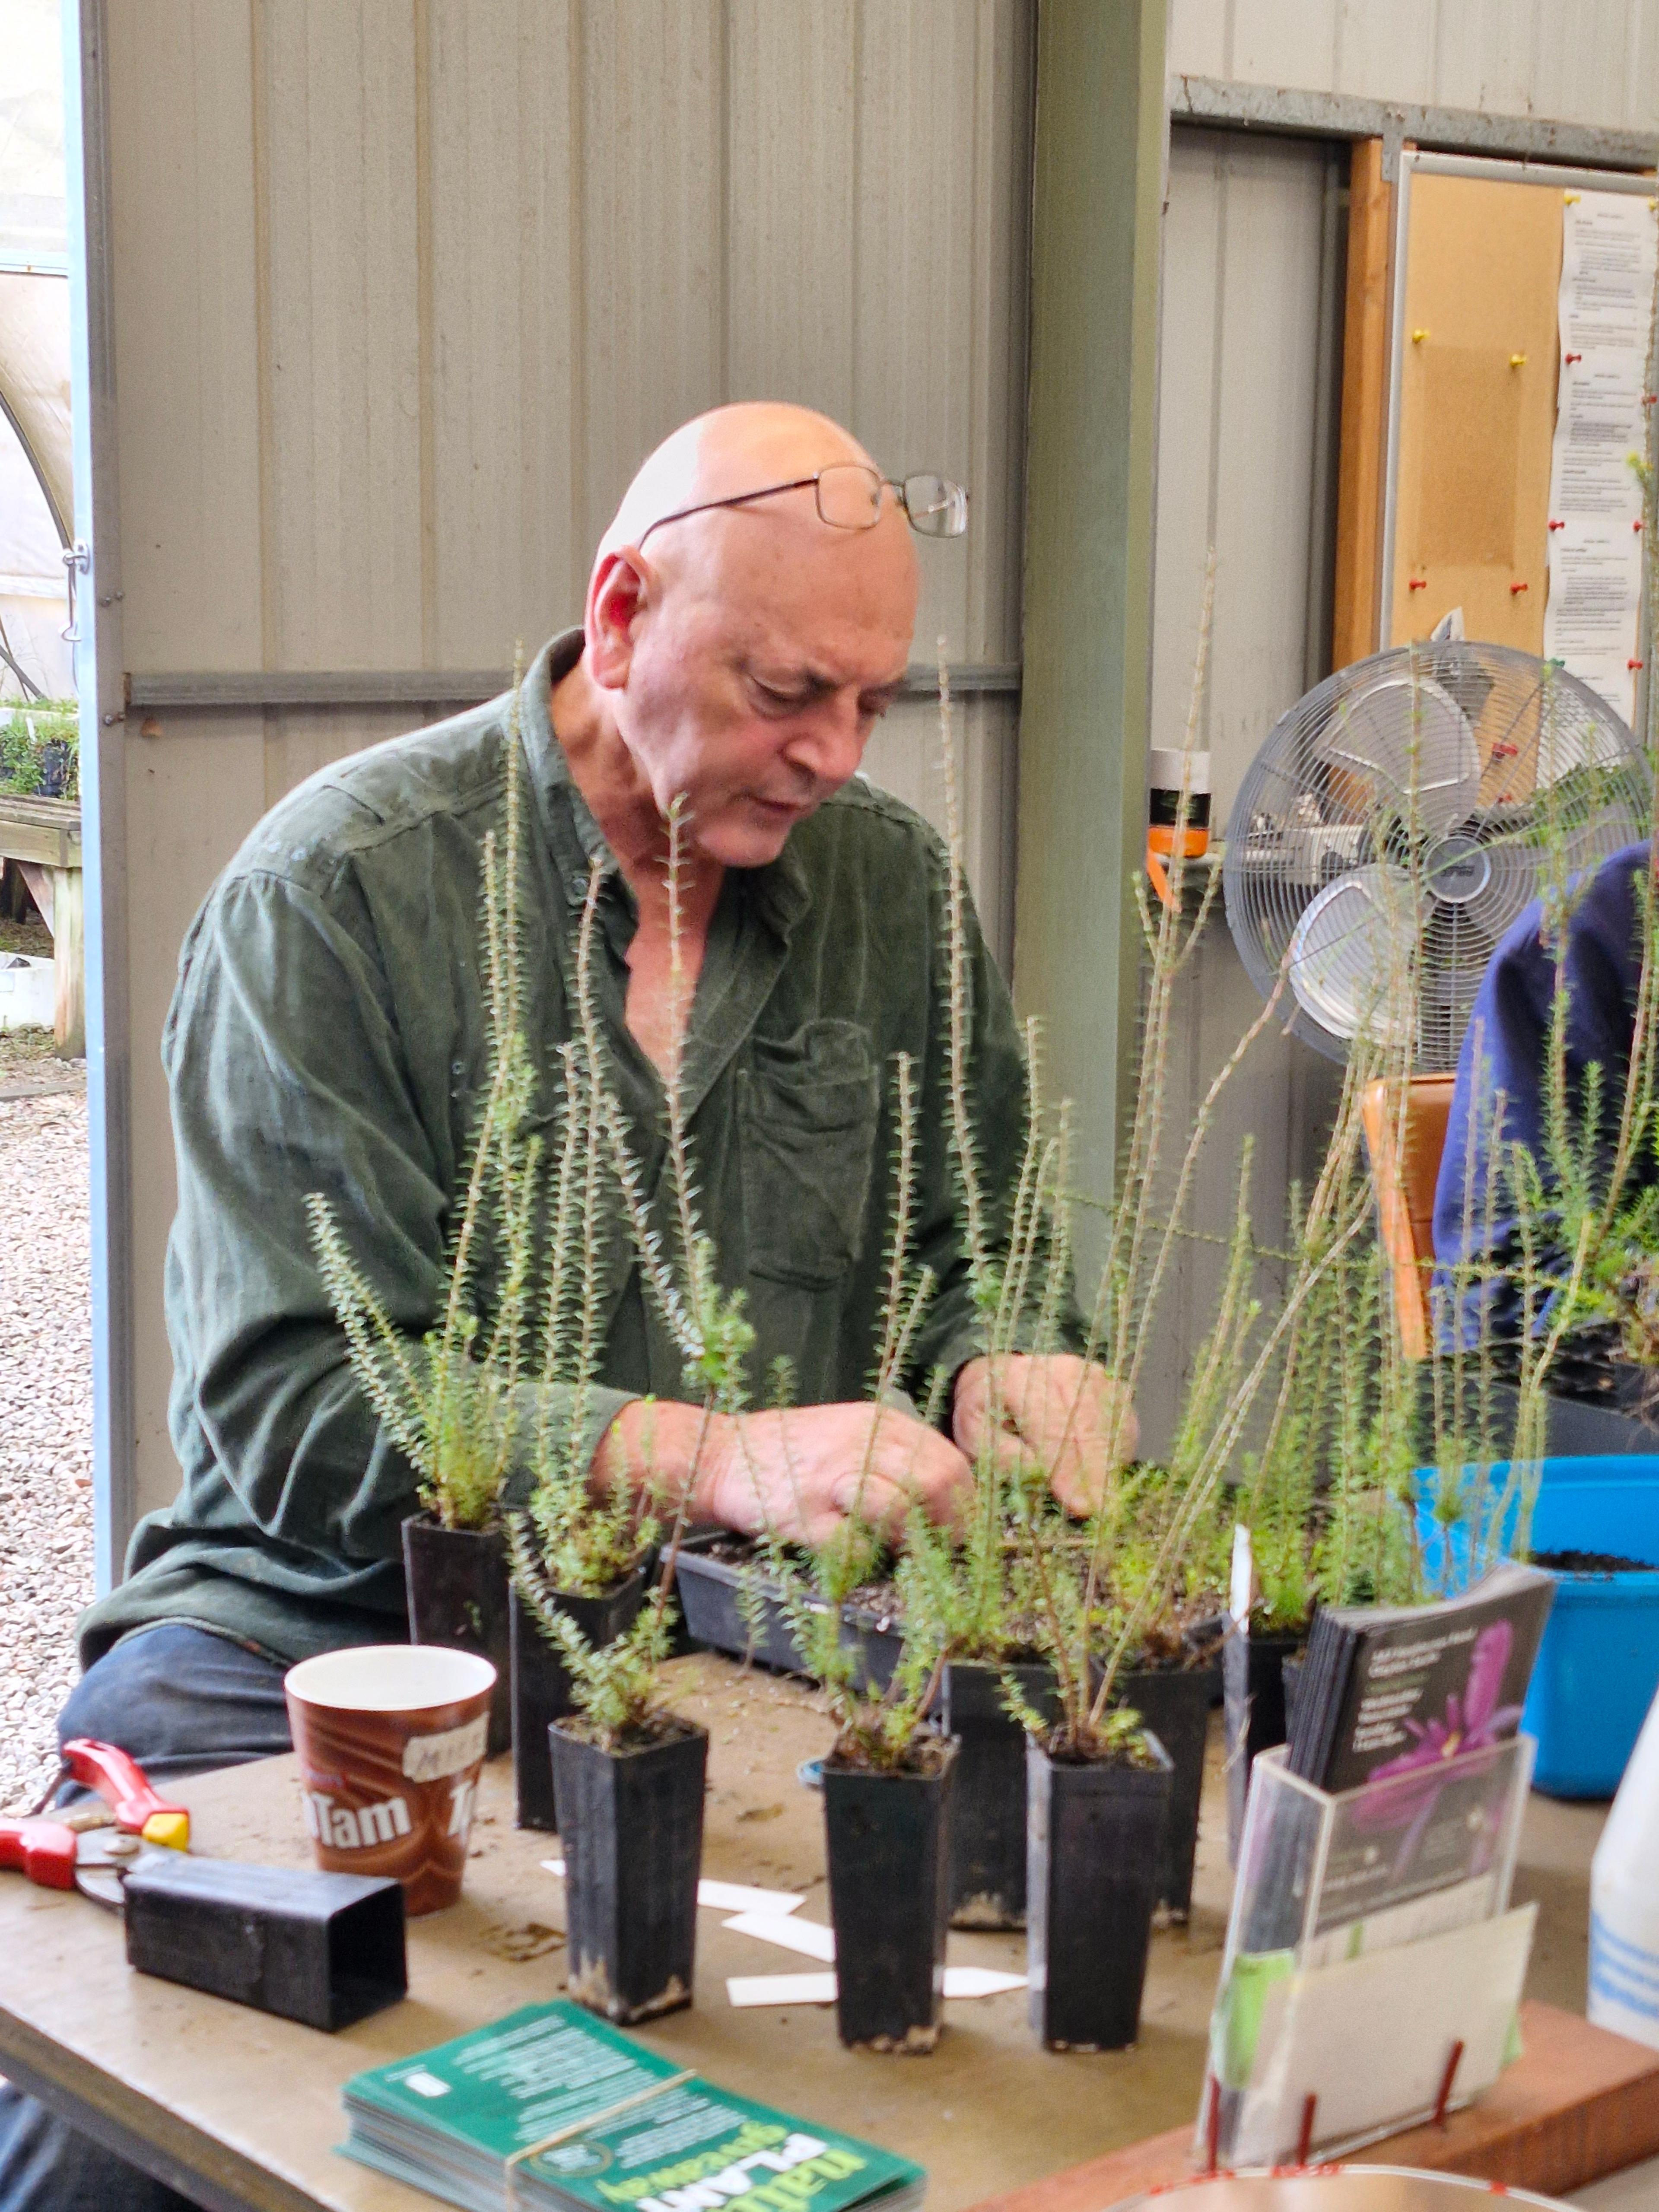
x: 1570, y: 199
x: 1517, y: 361
x: 1418, y: 336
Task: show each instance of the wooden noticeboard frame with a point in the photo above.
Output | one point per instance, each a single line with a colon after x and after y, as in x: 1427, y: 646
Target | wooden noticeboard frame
x: 1449, y: 434
x: 1473, y: 355
x: 1472, y: 413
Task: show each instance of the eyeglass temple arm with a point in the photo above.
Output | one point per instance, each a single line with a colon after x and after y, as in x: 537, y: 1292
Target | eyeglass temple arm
x: 737, y: 499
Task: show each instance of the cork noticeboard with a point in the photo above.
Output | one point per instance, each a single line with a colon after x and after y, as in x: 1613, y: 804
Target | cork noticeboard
x: 1477, y: 368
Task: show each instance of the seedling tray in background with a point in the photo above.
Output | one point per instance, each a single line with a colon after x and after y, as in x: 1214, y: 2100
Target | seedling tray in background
x: 738, y: 1609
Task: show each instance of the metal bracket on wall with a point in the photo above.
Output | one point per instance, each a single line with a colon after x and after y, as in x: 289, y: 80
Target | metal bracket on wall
x: 77, y: 561
x: 1234, y: 106
x: 231, y: 690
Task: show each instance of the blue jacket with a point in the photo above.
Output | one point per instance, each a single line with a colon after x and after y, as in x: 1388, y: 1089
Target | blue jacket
x: 1505, y: 1049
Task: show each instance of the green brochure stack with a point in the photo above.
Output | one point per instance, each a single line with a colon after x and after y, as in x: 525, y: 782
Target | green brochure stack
x: 551, y: 2108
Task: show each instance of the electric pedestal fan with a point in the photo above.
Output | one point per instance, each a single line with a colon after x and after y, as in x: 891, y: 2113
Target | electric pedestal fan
x: 1400, y: 818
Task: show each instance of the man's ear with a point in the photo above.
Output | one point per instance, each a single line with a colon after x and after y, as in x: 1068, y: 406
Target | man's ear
x: 618, y: 593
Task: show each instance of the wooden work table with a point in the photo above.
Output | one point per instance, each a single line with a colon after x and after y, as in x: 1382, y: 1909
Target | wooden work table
x: 243, y: 2110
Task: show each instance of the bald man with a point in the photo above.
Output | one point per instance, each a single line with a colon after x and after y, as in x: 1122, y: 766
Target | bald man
x: 748, y: 622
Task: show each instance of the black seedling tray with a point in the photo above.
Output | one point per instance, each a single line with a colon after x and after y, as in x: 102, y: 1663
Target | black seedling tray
x: 715, y: 1594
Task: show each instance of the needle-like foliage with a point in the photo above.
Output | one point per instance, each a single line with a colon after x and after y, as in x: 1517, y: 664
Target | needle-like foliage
x: 449, y: 1402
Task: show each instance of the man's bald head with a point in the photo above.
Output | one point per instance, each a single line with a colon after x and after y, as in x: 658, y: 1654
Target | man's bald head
x: 729, y: 450
x: 744, y: 654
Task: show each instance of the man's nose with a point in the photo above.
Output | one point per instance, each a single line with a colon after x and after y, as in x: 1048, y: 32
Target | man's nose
x: 828, y: 742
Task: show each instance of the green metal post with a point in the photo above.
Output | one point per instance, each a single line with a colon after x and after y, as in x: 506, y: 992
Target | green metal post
x: 1102, y: 136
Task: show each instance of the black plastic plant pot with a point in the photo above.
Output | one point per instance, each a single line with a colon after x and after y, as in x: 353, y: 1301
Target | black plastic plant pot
x: 987, y: 1807
x: 456, y: 1581
x: 631, y: 1822
x: 738, y: 1609
x: 1094, y: 1829
x: 541, y: 1688
x: 1252, y: 1702
x: 1174, y: 1703
x: 889, y: 1841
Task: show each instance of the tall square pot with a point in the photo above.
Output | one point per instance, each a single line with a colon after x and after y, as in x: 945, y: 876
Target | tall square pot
x: 1094, y: 1835
x: 1253, y: 1704
x: 987, y: 1807
x: 541, y: 1686
x: 456, y: 1580
x: 632, y: 1826
x: 1174, y: 1703
x: 889, y: 1842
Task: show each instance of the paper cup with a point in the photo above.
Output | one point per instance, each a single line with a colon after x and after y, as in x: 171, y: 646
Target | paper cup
x: 390, y: 1739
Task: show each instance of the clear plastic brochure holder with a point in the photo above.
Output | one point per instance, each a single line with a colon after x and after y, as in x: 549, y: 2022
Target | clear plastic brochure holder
x: 1373, y: 1967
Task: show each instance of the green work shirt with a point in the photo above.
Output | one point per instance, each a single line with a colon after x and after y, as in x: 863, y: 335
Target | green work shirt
x: 328, y: 1034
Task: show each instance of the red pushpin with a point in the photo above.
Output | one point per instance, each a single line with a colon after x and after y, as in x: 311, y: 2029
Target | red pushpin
x: 1514, y: 588
x: 1557, y: 526
x: 1636, y: 664
x: 1572, y: 357
x: 1637, y: 525
x: 1418, y: 584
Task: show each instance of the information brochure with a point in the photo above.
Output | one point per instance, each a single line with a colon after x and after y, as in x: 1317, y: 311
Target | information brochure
x: 552, y: 2107
x: 1404, y: 1715
x: 1387, y: 1689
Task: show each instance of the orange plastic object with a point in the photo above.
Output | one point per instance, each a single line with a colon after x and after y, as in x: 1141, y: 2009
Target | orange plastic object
x: 1160, y: 850
x: 1405, y: 1139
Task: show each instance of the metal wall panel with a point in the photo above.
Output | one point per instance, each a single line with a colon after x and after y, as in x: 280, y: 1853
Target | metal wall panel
x: 1252, y: 303
x: 402, y: 295
x: 1252, y: 244
x: 1592, y: 61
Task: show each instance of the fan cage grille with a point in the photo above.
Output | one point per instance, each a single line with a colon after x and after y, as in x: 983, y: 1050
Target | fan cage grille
x: 1448, y: 786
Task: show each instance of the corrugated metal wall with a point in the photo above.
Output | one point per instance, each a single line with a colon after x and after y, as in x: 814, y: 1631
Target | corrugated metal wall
x: 1575, y: 61
x: 402, y: 295
x: 1251, y: 354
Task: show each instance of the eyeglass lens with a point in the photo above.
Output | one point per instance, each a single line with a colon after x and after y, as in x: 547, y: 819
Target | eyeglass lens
x: 937, y: 508
x: 849, y: 498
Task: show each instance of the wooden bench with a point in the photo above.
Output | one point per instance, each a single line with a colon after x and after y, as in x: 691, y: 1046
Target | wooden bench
x: 43, y: 836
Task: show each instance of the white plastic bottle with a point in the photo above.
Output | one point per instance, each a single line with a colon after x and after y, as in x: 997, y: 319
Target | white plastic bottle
x: 1623, y: 1955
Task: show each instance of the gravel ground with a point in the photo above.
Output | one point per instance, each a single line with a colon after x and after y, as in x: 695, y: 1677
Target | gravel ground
x: 45, y: 1408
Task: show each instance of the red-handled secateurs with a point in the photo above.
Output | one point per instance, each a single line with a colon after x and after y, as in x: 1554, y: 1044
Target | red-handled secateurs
x: 89, y: 1848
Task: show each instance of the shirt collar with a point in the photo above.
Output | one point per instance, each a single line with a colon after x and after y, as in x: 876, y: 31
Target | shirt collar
x: 780, y: 892
x: 573, y: 836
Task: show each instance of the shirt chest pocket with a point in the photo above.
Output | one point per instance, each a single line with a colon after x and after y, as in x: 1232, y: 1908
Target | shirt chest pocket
x: 807, y: 1115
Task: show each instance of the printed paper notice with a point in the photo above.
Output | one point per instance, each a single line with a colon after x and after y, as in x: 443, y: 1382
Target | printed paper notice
x: 1593, y: 620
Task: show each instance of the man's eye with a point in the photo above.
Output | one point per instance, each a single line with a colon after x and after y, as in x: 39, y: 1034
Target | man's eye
x: 775, y: 701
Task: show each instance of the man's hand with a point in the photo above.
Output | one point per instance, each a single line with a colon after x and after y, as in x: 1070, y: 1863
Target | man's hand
x: 800, y: 1474
x: 1060, y: 1413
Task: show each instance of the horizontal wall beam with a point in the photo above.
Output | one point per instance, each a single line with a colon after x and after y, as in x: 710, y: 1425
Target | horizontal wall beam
x: 1449, y: 129
x: 220, y: 690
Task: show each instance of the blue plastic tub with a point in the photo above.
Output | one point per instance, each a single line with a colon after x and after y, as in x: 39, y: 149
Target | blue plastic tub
x: 1598, y: 1666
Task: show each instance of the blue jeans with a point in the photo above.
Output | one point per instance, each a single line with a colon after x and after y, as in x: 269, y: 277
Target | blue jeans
x: 181, y: 1701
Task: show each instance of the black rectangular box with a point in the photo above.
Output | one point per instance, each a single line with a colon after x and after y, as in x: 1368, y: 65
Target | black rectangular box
x: 325, y: 1949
